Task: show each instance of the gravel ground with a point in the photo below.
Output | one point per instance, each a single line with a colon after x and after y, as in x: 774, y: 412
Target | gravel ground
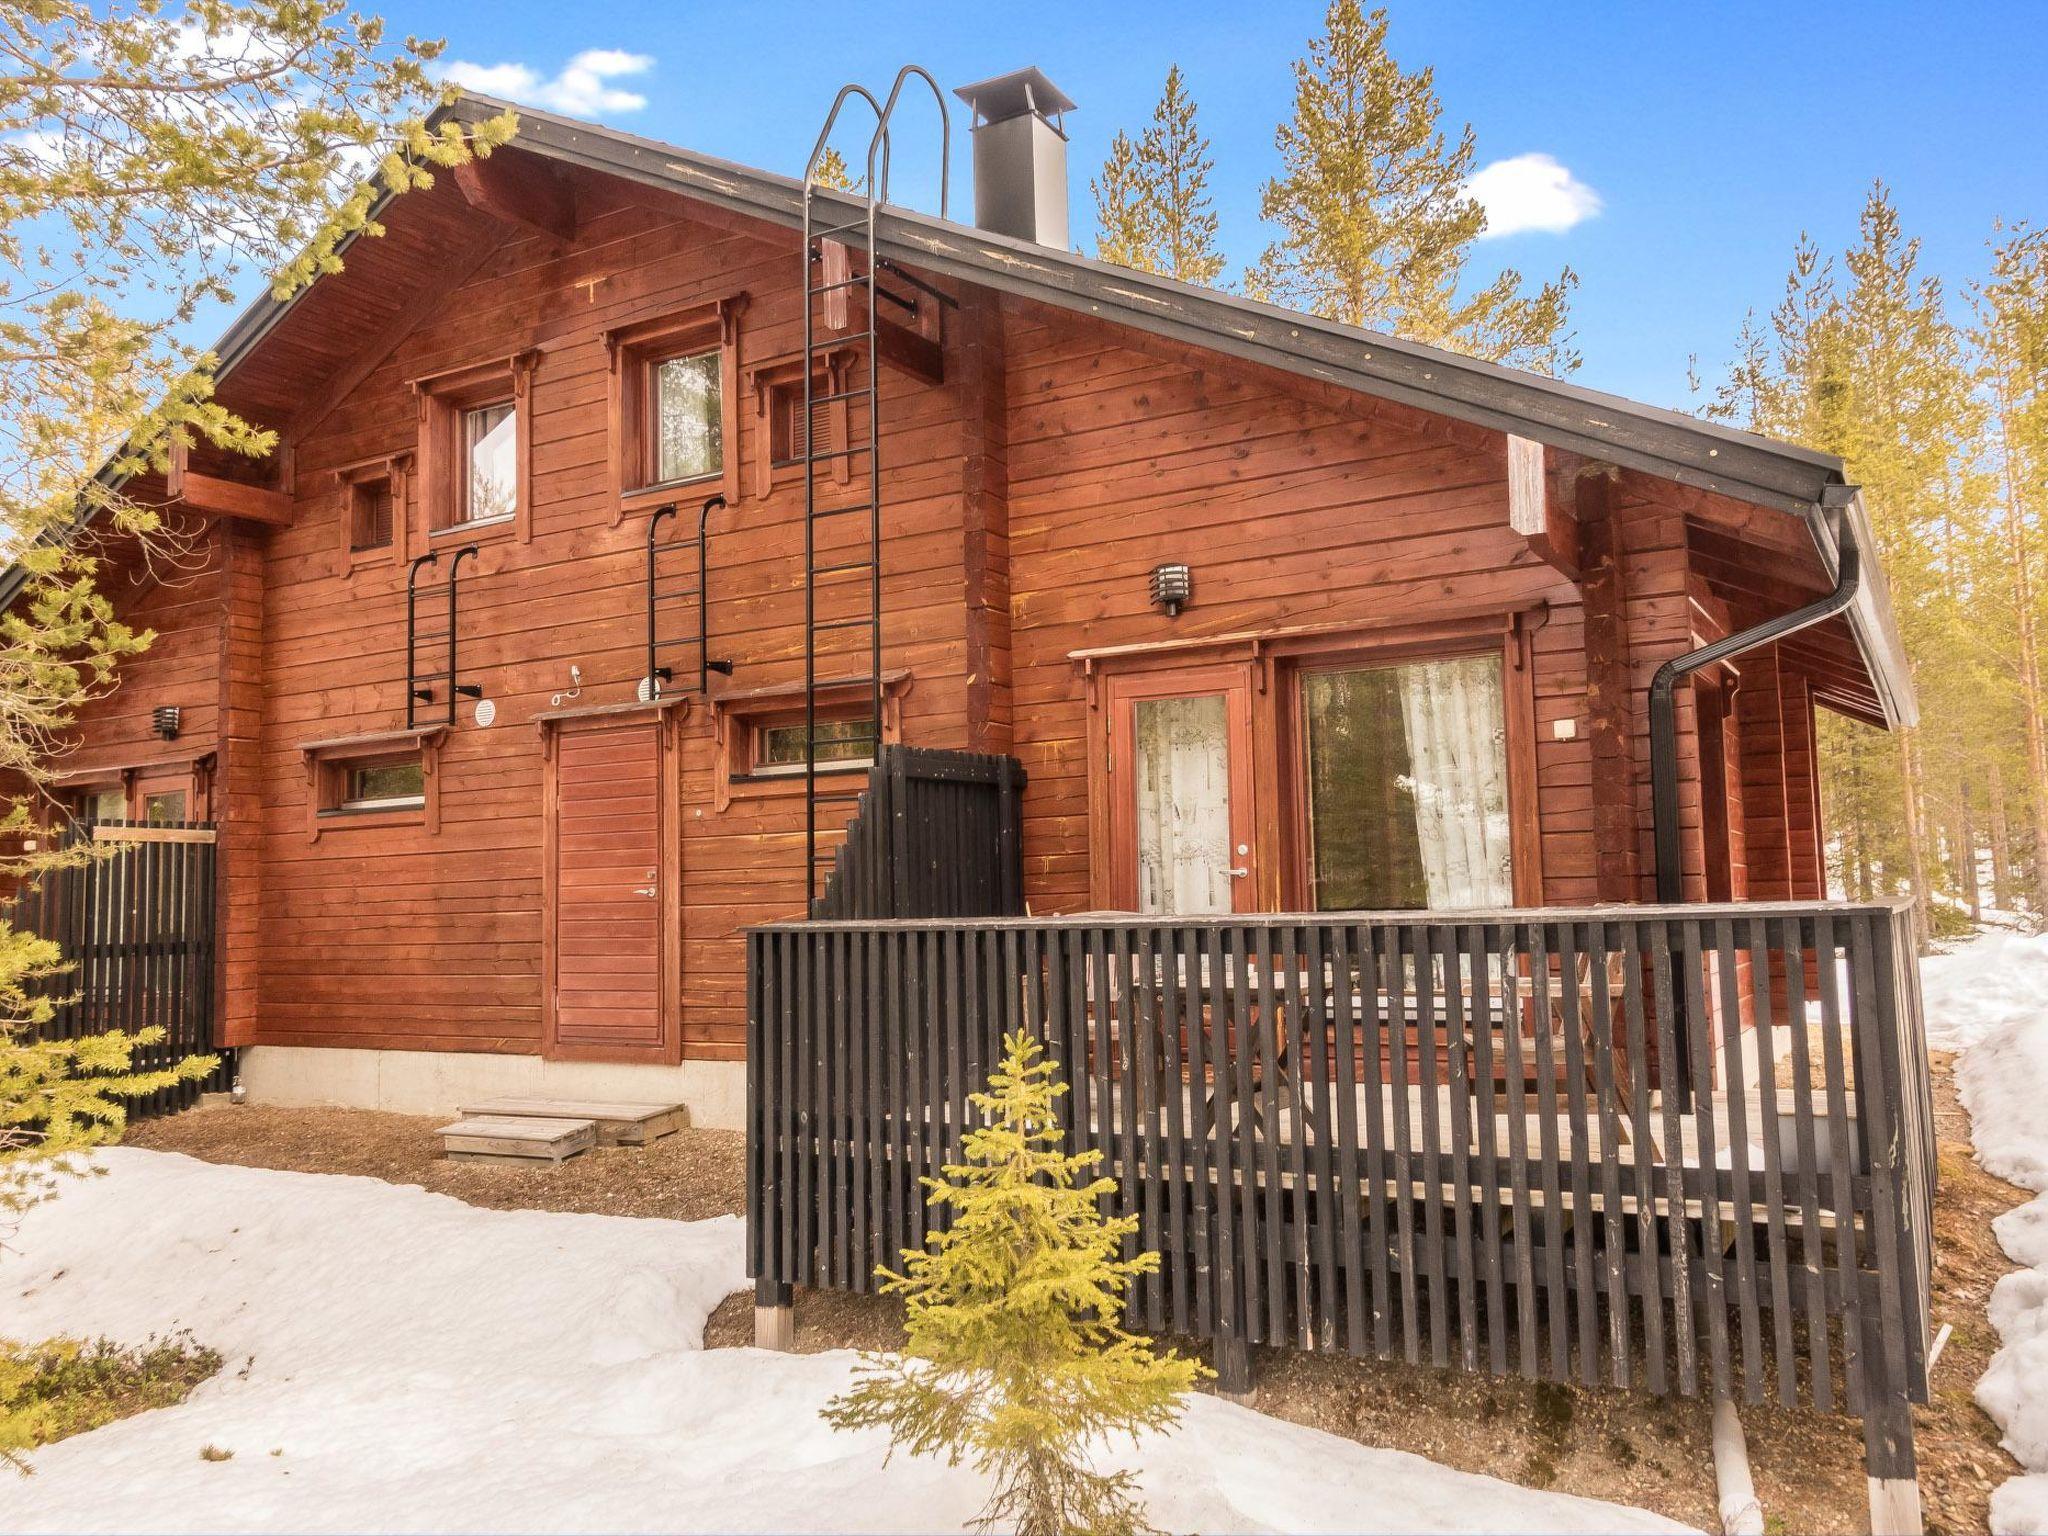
x: 1628, y: 1447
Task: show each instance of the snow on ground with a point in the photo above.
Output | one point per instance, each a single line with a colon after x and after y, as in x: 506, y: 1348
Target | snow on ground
x: 400, y: 1361
x: 1989, y: 999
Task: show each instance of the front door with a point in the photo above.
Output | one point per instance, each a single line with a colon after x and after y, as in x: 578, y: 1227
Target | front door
x: 608, y: 955
x: 1181, y: 790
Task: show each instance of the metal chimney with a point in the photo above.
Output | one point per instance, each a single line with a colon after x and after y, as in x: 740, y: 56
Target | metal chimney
x: 1020, y: 156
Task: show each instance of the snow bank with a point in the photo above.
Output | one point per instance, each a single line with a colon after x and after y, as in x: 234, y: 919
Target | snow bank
x: 1982, y: 986
x: 399, y: 1361
x: 1989, y: 1000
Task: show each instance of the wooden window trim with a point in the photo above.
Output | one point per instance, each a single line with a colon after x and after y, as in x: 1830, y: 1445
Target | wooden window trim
x: 398, y: 469
x: 737, y: 715
x: 327, y: 763
x: 442, y: 399
x: 834, y: 374
x: 193, y: 775
x: 629, y: 351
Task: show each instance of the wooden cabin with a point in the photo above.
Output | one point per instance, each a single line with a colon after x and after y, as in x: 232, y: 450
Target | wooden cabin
x: 1405, y: 566
x: 527, y: 675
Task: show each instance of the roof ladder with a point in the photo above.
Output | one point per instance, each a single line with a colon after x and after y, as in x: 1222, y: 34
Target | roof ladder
x: 659, y: 675
x: 843, y: 585
x: 420, y: 686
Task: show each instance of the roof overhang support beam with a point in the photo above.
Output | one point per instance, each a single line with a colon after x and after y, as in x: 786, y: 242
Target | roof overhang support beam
x: 519, y: 190
x: 1542, y: 506
x: 215, y: 496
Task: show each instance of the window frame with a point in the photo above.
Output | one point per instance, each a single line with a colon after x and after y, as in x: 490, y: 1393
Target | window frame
x: 738, y: 716
x: 633, y: 354
x: 329, y: 763
x: 770, y: 383
x: 396, y: 470
x: 445, y: 401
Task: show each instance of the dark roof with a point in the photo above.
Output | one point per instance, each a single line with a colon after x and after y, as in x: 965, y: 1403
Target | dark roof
x: 1668, y: 444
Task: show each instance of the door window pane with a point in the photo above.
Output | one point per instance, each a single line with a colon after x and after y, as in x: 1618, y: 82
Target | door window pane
x: 490, y: 453
x: 1183, y: 784
x: 689, y: 422
x: 168, y: 805
x: 1408, y: 786
x: 110, y: 804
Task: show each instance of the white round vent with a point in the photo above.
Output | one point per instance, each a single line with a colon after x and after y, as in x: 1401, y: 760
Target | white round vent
x: 486, y: 711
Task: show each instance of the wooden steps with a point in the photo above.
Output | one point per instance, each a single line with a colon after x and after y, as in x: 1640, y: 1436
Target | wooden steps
x: 499, y: 1139
x: 535, y: 1130
x: 618, y: 1124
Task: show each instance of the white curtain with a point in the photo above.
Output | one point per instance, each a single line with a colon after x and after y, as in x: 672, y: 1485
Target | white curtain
x: 1457, y: 746
x: 1183, y: 774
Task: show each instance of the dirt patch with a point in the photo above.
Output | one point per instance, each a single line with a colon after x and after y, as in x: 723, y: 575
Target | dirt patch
x: 1628, y: 1447
x: 686, y: 1177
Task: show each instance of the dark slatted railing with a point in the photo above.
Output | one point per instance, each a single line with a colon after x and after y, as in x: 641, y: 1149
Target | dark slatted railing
x: 935, y: 834
x: 136, y: 928
x: 1439, y: 1138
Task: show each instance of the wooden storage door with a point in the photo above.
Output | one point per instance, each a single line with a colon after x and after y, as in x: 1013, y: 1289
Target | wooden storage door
x: 612, y: 883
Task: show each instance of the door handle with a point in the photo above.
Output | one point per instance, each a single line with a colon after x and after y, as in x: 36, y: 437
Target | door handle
x: 644, y: 890
x: 1238, y: 874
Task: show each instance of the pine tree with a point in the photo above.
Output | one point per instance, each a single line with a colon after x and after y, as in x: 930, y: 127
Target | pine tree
x: 1017, y: 1359
x: 1152, y: 204
x: 831, y: 171
x: 1376, y: 226
x: 1125, y: 230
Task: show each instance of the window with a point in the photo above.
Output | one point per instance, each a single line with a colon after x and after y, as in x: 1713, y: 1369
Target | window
x: 100, y: 802
x: 687, y: 417
x: 490, y: 460
x: 383, y: 785
x: 842, y: 743
x: 165, y: 805
x: 1407, y: 785
x: 674, y: 421
x: 476, y: 451
x: 370, y: 506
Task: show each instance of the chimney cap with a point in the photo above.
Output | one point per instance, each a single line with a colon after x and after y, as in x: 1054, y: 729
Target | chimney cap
x: 1014, y: 94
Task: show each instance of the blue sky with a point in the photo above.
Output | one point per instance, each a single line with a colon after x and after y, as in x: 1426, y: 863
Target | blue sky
x: 1711, y: 134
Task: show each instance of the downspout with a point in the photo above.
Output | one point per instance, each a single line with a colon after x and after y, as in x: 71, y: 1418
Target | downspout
x: 1829, y: 529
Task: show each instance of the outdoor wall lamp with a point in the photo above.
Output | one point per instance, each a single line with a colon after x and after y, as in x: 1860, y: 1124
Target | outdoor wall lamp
x: 1173, y: 585
x: 164, y: 718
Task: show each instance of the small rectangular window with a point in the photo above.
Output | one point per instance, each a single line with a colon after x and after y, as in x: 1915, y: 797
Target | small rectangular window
x: 164, y: 806
x: 789, y: 441
x: 687, y: 416
x: 845, y: 743
x: 490, y: 462
x: 382, y: 786
x: 101, y: 803
x: 370, y: 515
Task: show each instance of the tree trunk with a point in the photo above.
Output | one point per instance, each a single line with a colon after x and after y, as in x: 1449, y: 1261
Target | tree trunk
x: 2030, y: 667
x: 2001, y: 842
x: 1966, y: 853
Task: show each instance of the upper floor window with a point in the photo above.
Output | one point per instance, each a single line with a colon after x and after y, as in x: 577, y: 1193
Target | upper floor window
x: 370, y: 515
x: 490, y: 457
x: 687, y: 418
x: 476, y: 450
x: 673, y: 414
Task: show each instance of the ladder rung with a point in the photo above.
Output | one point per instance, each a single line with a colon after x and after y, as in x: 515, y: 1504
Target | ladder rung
x: 851, y: 282
x: 840, y: 339
x: 677, y: 597
x: 823, y: 512
x: 844, y: 394
x: 838, y: 229
x: 843, y: 623
x: 844, y: 566
x: 833, y: 453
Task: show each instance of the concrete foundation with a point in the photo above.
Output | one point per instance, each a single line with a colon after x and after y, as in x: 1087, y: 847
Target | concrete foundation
x: 440, y: 1082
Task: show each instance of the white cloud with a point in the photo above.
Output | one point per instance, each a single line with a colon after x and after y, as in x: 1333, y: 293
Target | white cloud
x: 1525, y: 192
x: 582, y: 89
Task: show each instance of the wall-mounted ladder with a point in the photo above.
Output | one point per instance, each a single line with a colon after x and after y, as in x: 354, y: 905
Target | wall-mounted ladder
x: 842, y: 584
x: 660, y: 675
x: 426, y: 687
